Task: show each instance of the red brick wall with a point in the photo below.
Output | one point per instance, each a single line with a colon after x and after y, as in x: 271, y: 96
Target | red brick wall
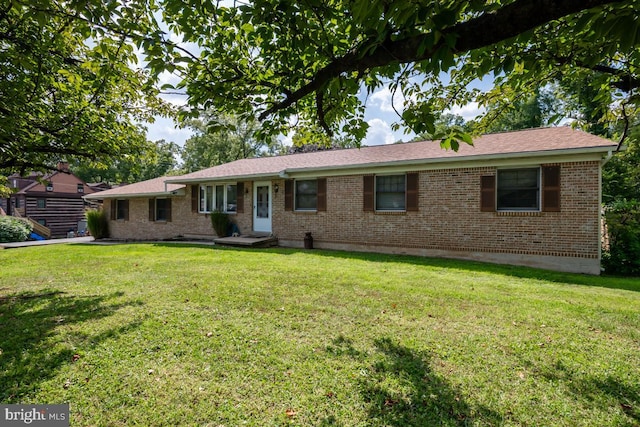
x: 449, y: 217
x: 448, y: 223
x: 183, y: 222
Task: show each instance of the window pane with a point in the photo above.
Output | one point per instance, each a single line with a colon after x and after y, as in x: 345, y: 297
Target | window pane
x: 203, y: 200
x: 262, y: 201
x: 162, y: 209
x: 390, y: 193
x: 42, y: 203
x: 220, y: 198
x: 232, y: 198
x: 519, y: 189
x: 306, y: 195
x: 209, y: 198
x: 121, y: 208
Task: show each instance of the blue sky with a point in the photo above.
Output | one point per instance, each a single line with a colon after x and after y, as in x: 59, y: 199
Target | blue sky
x: 379, y: 115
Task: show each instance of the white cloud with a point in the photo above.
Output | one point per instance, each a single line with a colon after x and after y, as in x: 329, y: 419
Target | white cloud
x: 468, y: 112
x: 165, y: 128
x: 379, y: 133
x: 383, y: 97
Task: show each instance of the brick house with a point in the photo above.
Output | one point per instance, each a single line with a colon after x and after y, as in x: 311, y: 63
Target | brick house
x: 53, y: 200
x: 530, y: 197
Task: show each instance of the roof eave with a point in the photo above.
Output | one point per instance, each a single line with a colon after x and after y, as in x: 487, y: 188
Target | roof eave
x: 475, y: 158
x: 98, y: 196
x: 225, y: 178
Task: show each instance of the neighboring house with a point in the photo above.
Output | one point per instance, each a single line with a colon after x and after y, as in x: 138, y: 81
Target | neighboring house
x: 53, y: 200
x: 530, y: 197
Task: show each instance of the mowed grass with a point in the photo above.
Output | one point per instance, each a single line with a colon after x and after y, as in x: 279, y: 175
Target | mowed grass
x: 171, y: 334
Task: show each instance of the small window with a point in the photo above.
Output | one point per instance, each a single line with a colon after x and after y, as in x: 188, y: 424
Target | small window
x: 232, y: 198
x: 518, y: 189
x: 80, y: 188
x: 49, y: 186
x: 163, y: 209
x: 122, y: 209
x: 42, y: 203
x: 220, y: 198
x: 306, y: 195
x: 17, y: 203
x: 42, y: 222
x: 391, y: 193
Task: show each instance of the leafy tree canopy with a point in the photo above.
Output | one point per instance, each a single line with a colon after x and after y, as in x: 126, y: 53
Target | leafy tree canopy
x: 315, y: 61
x: 68, y: 89
x: 152, y: 160
x: 68, y: 86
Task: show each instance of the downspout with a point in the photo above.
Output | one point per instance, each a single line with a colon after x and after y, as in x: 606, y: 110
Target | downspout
x: 607, y: 158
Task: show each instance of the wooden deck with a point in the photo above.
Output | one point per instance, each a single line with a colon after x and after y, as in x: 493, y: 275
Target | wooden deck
x: 249, y: 240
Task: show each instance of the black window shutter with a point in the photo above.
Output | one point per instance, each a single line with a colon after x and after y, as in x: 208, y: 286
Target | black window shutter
x: 488, y: 193
x: 126, y: 209
x: 195, y: 196
x: 288, y: 195
x: 322, y: 195
x: 112, y: 208
x: 551, y: 188
x: 240, y: 197
x: 152, y: 210
x: 367, y: 193
x: 412, y: 192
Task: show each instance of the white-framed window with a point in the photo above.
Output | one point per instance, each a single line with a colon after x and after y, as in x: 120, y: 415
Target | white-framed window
x: 518, y: 189
x: 306, y: 195
x: 391, y: 192
x: 220, y: 197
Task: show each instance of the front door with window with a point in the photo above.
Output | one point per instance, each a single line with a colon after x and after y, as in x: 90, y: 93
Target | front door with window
x: 262, y: 206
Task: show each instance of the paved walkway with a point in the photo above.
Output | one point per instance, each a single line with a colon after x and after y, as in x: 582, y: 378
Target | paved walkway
x: 45, y: 242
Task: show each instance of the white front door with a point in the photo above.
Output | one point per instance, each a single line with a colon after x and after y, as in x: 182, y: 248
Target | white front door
x: 262, y: 206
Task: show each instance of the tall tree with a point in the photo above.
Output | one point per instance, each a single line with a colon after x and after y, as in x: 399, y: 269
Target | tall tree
x: 67, y: 86
x: 283, y: 59
x: 524, y: 111
x: 223, y: 139
x: 154, y: 159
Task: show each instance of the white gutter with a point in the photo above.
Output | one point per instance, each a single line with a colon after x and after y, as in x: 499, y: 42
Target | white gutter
x: 98, y: 196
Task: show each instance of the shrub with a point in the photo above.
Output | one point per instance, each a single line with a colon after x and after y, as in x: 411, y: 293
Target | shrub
x: 14, y: 230
x: 220, y: 222
x: 98, y: 224
x: 623, y: 225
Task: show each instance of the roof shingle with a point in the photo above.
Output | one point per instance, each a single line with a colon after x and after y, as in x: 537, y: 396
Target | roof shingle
x: 513, y: 144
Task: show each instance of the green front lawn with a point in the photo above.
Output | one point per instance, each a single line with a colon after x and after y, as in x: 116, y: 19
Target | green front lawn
x: 184, y: 335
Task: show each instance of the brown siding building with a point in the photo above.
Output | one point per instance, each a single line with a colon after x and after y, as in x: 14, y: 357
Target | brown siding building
x: 54, y: 200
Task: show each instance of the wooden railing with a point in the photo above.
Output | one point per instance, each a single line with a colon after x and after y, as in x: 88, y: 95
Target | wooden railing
x: 40, y: 229
x: 37, y: 227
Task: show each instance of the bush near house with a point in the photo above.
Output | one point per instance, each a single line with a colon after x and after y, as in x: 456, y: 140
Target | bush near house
x: 220, y: 222
x: 14, y: 230
x: 623, y: 224
x: 98, y: 224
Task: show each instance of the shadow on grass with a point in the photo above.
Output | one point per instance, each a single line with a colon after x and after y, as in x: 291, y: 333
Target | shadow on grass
x: 402, y: 389
x: 590, y: 389
x: 605, y: 281
x: 31, y: 347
